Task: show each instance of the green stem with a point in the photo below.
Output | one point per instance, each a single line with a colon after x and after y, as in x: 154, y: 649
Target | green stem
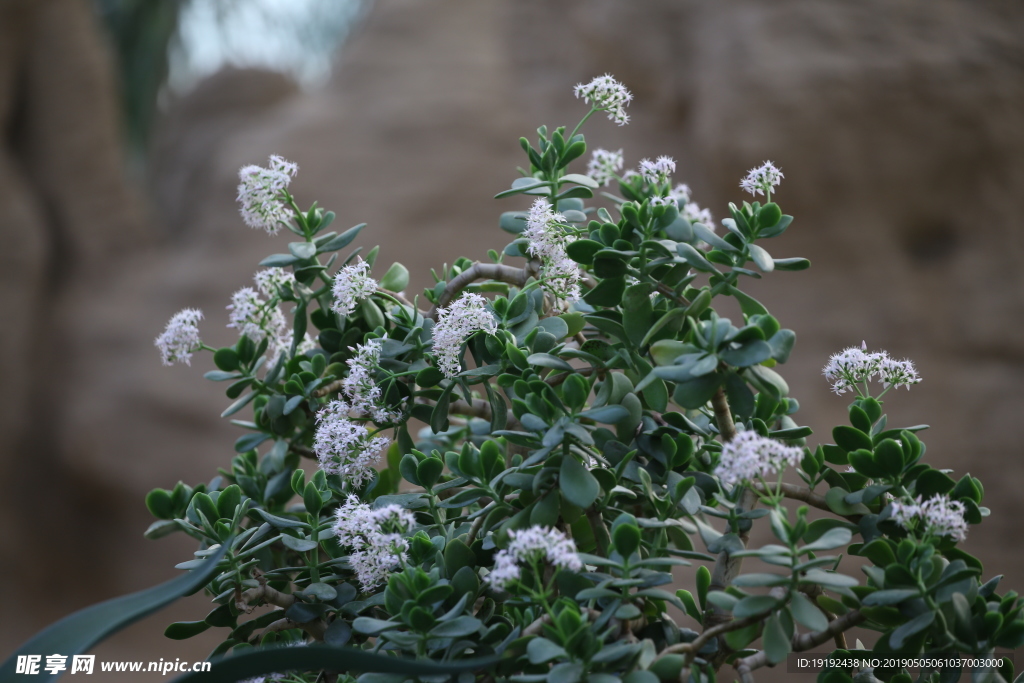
x: 314, y: 564
x: 582, y: 121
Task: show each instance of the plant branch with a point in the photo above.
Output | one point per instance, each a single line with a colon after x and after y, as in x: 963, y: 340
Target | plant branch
x: 263, y: 593
x: 479, y: 271
x: 316, y: 628
x: 694, y: 646
x: 796, y: 492
x: 723, y: 416
x: 744, y: 667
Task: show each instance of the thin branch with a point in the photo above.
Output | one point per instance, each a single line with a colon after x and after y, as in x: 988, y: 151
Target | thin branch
x: 478, y: 408
x: 726, y: 566
x: 400, y: 299
x: 554, y: 379
x: 479, y: 271
x: 796, y: 492
x: 263, y: 593
x: 745, y: 666
x: 475, y: 529
x: 332, y: 388
x: 723, y: 416
x: 537, y: 626
x: 303, y: 451
x: 316, y: 629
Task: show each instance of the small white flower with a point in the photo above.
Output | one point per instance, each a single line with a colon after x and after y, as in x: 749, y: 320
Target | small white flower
x: 657, y: 172
x: 547, y: 241
x: 680, y: 193
x: 762, y: 179
x: 344, y: 447
x: 662, y: 201
x: 854, y: 366
x: 604, y: 164
x: 270, y: 280
x: 352, y: 284
x: 750, y: 456
x: 462, y: 318
x: 939, y: 515
x: 607, y: 94
x: 530, y: 546
x: 897, y: 373
x: 180, y: 339
x: 283, y: 344
x: 261, y: 194
x: 631, y: 177
x: 362, y: 391
x: 693, y: 213
x: 253, y: 317
x: 376, y: 538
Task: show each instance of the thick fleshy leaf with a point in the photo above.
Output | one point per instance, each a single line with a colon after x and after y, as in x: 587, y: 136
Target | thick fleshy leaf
x: 78, y: 632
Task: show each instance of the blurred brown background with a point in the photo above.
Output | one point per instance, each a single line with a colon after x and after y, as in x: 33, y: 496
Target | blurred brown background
x: 899, y: 126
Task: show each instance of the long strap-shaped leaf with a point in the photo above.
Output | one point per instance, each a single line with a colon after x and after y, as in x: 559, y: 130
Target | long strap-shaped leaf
x: 78, y: 632
x: 347, y: 659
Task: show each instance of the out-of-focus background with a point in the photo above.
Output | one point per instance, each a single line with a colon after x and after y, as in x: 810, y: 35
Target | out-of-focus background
x: 899, y: 126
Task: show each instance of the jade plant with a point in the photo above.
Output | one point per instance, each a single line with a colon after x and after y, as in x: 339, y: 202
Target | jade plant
x: 499, y: 474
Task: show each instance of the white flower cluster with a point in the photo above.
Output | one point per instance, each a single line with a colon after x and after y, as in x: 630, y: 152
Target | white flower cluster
x: 352, y: 284
x: 657, y: 172
x: 853, y: 366
x: 750, y: 456
x: 455, y: 324
x: 253, y: 317
x: 693, y: 213
x: 547, y: 241
x: 260, y: 194
x: 344, y: 447
x: 603, y: 165
x: 180, y: 339
x: 607, y: 94
x: 270, y: 280
x: 680, y: 193
x: 376, y: 538
x: 529, y: 546
x: 360, y: 388
x: 283, y: 344
x: 762, y: 179
x: 939, y: 515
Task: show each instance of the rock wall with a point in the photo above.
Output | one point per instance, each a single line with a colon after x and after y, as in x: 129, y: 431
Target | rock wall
x: 898, y: 127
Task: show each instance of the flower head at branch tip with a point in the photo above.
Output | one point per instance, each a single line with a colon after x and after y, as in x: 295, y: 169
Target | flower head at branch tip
x: 283, y: 344
x: 253, y: 317
x: 657, y: 172
x: 344, y: 447
x: 750, y: 456
x: 462, y: 318
x: 360, y: 387
x: 547, y: 241
x: 680, y: 193
x: 939, y: 516
x: 352, y: 284
x: 603, y: 165
x: 695, y: 214
x: 853, y: 366
x: 376, y: 537
x: 897, y: 373
x: 762, y: 179
x: 270, y: 280
x: 260, y: 194
x: 180, y: 339
x: 607, y: 94
x: 529, y: 546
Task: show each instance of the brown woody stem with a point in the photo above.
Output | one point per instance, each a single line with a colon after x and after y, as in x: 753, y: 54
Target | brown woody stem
x: 744, y: 667
x: 479, y: 271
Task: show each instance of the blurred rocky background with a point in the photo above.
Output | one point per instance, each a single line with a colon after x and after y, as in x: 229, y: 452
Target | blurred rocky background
x: 899, y: 126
